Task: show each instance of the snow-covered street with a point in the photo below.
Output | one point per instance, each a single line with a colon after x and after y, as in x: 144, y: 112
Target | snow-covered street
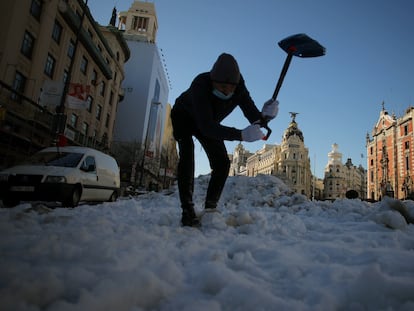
x: 267, y: 249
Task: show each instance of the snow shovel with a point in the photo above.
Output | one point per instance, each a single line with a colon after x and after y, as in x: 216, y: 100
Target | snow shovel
x: 300, y: 45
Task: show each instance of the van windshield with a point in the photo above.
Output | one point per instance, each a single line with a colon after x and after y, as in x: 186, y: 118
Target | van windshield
x: 63, y: 159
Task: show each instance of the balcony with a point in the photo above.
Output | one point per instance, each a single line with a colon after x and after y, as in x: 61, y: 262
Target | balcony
x: 25, y: 127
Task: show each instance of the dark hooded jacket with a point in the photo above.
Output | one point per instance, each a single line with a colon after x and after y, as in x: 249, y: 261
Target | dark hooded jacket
x: 206, y: 111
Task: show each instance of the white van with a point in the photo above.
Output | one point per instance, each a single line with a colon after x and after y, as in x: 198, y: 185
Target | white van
x: 63, y: 174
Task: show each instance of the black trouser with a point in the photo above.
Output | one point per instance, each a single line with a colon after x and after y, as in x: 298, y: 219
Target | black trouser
x: 184, y: 130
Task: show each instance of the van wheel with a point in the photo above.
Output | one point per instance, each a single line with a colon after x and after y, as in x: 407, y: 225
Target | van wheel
x: 113, y: 197
x: 73, y: 199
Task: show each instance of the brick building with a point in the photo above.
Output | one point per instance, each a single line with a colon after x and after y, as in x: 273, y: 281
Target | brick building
x: 390, y: 157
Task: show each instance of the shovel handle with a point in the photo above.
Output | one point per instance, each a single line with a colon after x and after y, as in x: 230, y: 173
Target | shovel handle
x: 285, y: 68
x: 283, y: 72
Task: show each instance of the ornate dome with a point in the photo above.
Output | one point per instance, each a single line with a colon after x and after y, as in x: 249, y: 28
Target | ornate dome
x: 293, y: 129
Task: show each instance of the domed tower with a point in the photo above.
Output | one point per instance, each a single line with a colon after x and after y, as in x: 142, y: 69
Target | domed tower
x: 334, y: 158
x: 334, y: 181
x: 295, y: 163
x: 239, y: 159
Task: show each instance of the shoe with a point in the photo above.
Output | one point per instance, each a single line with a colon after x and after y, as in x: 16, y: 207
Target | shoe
x: 211, y: 210
x: 210, y: 205
x: 190, y: 219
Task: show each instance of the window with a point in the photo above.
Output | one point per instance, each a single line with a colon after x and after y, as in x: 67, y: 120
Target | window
x: 111, y: 98
x: 85, y: 127
x: 102, y: 88
x: 84, y: 65
x: 71, y: 48
x: 104, y: 138
x: 98, y: 112
x: 89, y: 102
x: 36, y: 8
x: 57, y: 31
x: 27, y: 45
x: 89, y: 164
x: 407, y: 145
x: 94, y: 77
x: 407, y: 163
x: 65, y: 76
x: 107, y: 120
x: 19, y: 84
x: 140, y: 23
x: 73, y: 120
x: 50, y: 66
x: 157, y: 90
x: 405, y: 129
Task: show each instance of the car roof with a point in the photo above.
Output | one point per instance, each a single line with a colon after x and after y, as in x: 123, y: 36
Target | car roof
x: 70, y: 149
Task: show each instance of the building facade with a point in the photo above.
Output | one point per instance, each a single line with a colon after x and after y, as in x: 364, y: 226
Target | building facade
x: 341, y: 178
x: 239, y: 160
x: 169, y: 155
x: 263, y: 161
x: 390, y: 157
x: 288, y: 161
x: 48, y: 50
x: 295, y: 163
x: 141, y: 117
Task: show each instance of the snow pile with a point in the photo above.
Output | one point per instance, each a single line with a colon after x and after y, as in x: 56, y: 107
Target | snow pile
x: 267, y: 249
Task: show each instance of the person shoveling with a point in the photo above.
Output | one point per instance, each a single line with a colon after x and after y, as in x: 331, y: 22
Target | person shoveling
x: 199, y: 111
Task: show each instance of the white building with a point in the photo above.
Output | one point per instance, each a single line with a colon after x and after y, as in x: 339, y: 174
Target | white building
x: 288, y: 161
x: 141, y: 116
x: 239, y: 160
x: 294, y: 165
x: 341, y: 178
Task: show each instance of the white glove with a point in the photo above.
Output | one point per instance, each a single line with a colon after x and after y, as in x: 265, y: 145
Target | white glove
x: 252, y: 133
x: 270, y: 109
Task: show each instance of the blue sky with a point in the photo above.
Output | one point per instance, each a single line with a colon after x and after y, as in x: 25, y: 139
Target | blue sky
x: 338, y: 97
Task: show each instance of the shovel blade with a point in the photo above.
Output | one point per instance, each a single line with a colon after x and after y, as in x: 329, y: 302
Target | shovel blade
x: 302, y: 45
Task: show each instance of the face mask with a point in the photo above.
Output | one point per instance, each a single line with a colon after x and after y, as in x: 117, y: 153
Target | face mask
x: 221, y: 95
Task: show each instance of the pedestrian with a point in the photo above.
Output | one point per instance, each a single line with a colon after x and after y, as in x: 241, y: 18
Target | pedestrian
x: 198, y: 112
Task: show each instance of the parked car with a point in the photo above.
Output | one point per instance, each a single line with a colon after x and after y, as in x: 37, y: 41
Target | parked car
x: 64, y: 174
